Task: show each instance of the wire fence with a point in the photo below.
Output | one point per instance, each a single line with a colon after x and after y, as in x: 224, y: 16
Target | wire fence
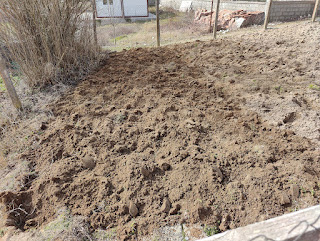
x: 117, y: 33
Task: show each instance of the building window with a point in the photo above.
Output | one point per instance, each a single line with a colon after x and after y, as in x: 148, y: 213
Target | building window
x: 110, y: 2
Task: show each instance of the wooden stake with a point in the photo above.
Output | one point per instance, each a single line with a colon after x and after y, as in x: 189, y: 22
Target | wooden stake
x: 9, y: 85
x: 315, y: 10
x: 210, y: 28
x: 94, y: 22
x: 267, y: 14
x: 158, y: 23
x: 216, y: 20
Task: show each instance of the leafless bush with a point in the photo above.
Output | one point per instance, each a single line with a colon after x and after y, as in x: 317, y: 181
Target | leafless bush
x: 50, y: 40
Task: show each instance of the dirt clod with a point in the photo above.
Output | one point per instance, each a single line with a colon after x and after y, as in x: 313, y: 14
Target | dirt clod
x: 295, y: 191
x: 284, y: 199
x: 165, y: 208
x: 176, y: 208
x: 165, y: 166
x: 144, y: 171
x: 219, y: 173
x: 133, y: 210
x: 88, y: 162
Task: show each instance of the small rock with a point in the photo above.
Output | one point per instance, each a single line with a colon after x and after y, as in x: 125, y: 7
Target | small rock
x: 145, y: 172
x: 133, y: 210
x: 89, y: 162
x: 284, y: 199
x: 165, y: 166
x: 295, y: 191
x: 165, y: 208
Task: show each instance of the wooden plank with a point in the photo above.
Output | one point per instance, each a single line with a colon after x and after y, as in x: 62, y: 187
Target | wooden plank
x: 9, y: 85
x: 215, y: 28
x: 267, y: 14
x: 300, y: 225
x: 315, y: 10
x: 158, y: 23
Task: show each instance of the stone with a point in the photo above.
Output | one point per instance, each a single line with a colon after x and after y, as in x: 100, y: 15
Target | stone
x: 89, y: 162
x: 295, y: 191
x: 133, y: 210
x: 165, y: 208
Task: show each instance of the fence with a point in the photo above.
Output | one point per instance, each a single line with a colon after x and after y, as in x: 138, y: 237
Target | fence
x: 120, y: 33
x: 280, y: 11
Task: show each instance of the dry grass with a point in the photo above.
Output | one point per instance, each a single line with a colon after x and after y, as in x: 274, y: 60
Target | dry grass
x: 50, y: 40
x: 175, y: 27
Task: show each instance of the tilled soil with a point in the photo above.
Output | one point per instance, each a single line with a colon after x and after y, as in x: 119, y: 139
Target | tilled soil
x: 222, y: 133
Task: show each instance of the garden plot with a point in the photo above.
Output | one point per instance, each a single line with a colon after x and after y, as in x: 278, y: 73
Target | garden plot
x: 216, y: 134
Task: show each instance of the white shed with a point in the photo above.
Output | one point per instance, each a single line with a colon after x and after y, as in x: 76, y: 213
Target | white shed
x: 121, y: 8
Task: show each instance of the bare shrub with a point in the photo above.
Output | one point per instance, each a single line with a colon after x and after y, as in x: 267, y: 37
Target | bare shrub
x: 50, y: 40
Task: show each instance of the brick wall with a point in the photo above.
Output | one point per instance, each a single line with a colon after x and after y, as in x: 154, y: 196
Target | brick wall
x: 280, y: 10
x: 291, y: 10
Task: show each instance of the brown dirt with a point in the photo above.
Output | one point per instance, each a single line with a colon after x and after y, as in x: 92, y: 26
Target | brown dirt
x: 205, y: 127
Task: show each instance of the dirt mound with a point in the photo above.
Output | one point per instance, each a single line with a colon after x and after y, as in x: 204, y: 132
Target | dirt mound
x: 166, y: 136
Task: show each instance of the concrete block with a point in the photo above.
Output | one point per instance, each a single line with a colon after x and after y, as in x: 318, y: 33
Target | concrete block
x: 287, y: 227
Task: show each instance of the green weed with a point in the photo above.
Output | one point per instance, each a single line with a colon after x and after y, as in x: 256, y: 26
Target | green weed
x: 2, y: 87
x: 1, y: 232
x: 313, y: 193
x: 279, y: 89
x: 15, y: 79
x: 211, y: 230
x: 314, y: 87
x: 133, y: 228
x: 119, y: 38
x: 183, y: 233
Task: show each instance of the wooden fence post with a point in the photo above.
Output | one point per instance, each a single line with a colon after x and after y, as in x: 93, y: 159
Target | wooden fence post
x: 94, y: 22
x: 9, y: 85
x: 315, y: 10
x: 267, y: 14
x: 216, y: 20
x: 210, y: 28
x: 158, y: 23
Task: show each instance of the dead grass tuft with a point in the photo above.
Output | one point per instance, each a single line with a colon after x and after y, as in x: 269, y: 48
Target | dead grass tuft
x: 50, y: 40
